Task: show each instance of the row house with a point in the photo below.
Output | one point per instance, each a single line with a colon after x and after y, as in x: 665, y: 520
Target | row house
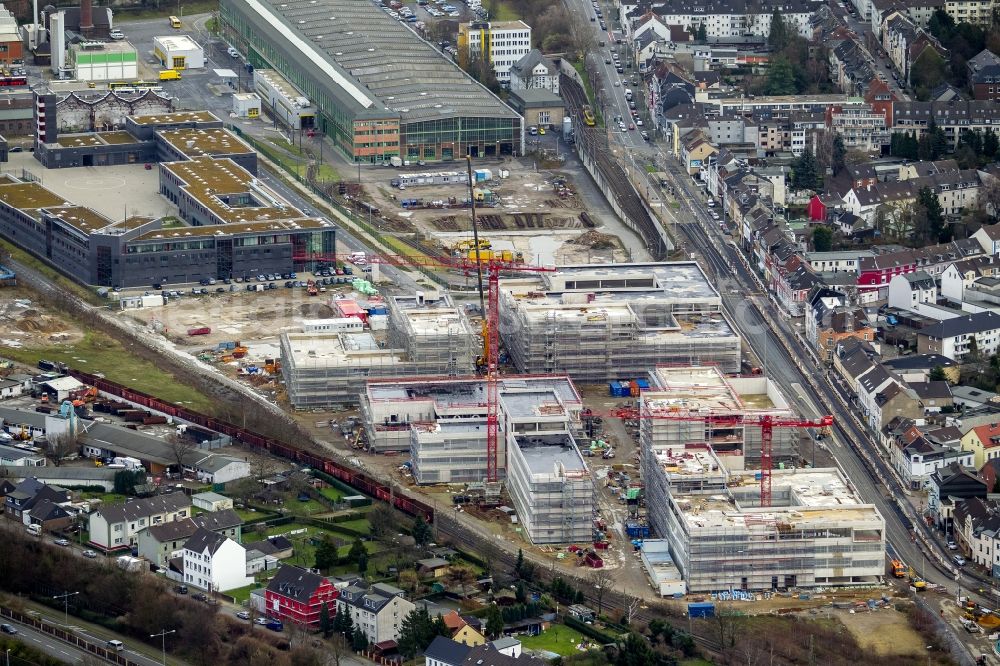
x: 989, y: 238
x: 984, y: 75
x: 830, y: 321
x: 836, y: 261
x: 953, y: 117
x: 696, y: 148
x: 916, y: 460
x: 905, y: 42
x: 976, y: 532
x: 849, y: 67
x: 877, y: 272
x: 947, y: 488
x: 117, y: 526
x: 961, y: 275
x: 738, y: 18
x: 918, y: 11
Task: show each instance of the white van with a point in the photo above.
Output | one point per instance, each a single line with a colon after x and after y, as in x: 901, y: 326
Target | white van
x: 117, y: 646
x: 34, y: 529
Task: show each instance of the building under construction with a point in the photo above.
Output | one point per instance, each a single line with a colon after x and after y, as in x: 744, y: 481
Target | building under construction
x: 425, y: 335
x: 816, y: 533
x: 700, y: 497
x: 603, y: 323
x: 442, y: 422
x: 690, y: 392
x: 551, y: 488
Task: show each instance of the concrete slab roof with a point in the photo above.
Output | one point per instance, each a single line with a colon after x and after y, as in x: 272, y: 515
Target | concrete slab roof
x: 378, y: 62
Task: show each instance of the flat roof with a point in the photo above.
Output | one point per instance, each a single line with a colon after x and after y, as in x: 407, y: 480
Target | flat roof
x: 212, y: 141
x: 377, y: 61
x: 29, y: 196
x: 707, y: 389
x: 208, y: 180
x: 693, y: 460
x: 536, y: 403
x: 814, y: 496
x: 83, y: 219
x: 178, y: 42
x: 552, y: 455
x: 339, y: 349
x: 175, y: 117
x: 177, y: 233
x: 459, y: 391
x: 437, y: 321
x: 280, y: 84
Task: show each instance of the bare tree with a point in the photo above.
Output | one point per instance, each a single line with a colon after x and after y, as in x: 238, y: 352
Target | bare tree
x: 295, y: 632
x: 337, y: 650
x: 601, y: 579
x: 62, y: 445
x: 989, y: 196
x: 180, y: 447
x: 461, y: 576
x: 581, y: 34
x: 631, y: 604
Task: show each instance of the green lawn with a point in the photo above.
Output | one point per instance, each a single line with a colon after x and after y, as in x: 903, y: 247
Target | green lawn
x: 558, y: 638
x: 370, y: 546
x: 310, y: 508
x: 296, y: 163
x: 505, y: 13
x: 331, y: 494
x: 251, y: 516
x: 242, y: 594
x: 107, y: 498
x: 361, y: 525
x: 99, y: 353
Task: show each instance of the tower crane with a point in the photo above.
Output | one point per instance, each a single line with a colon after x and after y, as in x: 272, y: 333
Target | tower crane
x: 766, y: 422
x: 494, y: 267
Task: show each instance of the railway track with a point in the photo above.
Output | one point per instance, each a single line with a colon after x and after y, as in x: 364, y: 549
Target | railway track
x: 594, y: 143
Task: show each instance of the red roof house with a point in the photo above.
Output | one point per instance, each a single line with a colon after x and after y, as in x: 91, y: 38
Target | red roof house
x: 297, y: 595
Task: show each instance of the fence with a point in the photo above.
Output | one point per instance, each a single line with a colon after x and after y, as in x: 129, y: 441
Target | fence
x: 67, y: 637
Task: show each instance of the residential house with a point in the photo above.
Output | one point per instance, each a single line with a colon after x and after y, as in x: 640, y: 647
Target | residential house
x: 539, y: 107
x: 956, y: 337
x: 445, y: 652
x: 893, y: 399
x: 298, y: 595
x: 503, y: 652
x: 29, y: 493
x: 829, y: 323
x: 934, y: 395
x: 918, y: 367
x: 908, y: 290
x: 989, y: 237
x: 695, y: 150
x: 989, y: 473
x: 837, y: 261
x: 975, y: 531
x: 432, y: 566
x: 976, y: 12
x: 960, y: 275
x: 917, y: 460
x: 984, y: 442
x: 377, y: 609
x: 852, y: 360
x: 117, y: 526
x: 160, y: 543
x: 226, y: 522
x: 949, y: 485
x: 278, y: 547
x: 214, y: 562
x: 535, y: 71
x: 461, y: 631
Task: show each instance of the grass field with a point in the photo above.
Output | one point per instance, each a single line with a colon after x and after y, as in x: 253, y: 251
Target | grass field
x: 296, y: 164
x: 107, y: 498
x: 557, y: 638
x: 332, y: 494
x: 242, y: 594
x: 99, y: 353
x: 251, y: 516
x: 310, y: 508
x: 360, y: 525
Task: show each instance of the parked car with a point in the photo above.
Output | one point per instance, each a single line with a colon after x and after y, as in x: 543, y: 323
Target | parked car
x: 233, y: 53
x: 62, y: 542
x: 952, y: 545
x: 243, y: 615
x: 262, y: 621
x: 959, y: 560
x: 90, y: 554
x: 200, y: 596
x: 181, y: 589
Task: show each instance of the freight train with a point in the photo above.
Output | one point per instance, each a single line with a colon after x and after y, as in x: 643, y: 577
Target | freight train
x: 352, y: 477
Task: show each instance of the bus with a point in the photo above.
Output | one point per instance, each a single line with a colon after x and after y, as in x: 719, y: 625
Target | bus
x: 139, y: 85
x: 175, y: 22
x: 588, y: 116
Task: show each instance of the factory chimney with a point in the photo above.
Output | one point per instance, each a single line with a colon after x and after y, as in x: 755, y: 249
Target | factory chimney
x: 86, y: 17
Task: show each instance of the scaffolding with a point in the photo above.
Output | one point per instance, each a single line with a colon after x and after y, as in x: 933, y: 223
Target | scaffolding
x: 551, y: 488
x: 424, y: 338
x: 612, y: 322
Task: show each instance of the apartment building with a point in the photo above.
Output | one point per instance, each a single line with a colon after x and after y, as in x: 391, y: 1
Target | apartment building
x: 976, y: 12
x: 738, y: 18
x: 500, y: 43
x: 954, y: 337
x: 214, y: 562
x: 377, y: 609
x: 117, y: 526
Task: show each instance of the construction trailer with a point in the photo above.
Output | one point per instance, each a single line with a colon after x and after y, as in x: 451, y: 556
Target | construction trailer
x: 551, y: 488
x: 602, y: 323
x: 425, y: 338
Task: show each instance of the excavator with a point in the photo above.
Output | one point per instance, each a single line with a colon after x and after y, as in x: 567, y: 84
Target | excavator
x: 468, y: 245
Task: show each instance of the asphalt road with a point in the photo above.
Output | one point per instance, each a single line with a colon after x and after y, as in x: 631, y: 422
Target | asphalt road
x: 53, y: 647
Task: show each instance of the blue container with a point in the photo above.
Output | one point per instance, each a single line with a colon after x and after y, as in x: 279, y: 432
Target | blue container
x: 702, y: 609
x: 642, y: 383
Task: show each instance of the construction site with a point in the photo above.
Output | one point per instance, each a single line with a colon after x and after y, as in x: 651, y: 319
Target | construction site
x: 538, y: 214
x: 423, y: 334
x: 600, y: 323
x: 727, y: 527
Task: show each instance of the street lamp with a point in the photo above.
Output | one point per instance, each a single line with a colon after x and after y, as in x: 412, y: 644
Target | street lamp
x: 65, y: 597
x: 163, y: 635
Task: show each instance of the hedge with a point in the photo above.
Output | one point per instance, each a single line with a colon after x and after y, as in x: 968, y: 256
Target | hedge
x: 589, y: 630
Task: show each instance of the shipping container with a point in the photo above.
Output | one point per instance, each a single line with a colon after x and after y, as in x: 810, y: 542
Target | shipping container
x: 701, y: 609
x: 203, y: 330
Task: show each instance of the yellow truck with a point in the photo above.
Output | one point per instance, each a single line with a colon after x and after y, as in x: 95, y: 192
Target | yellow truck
x: 170, y: 75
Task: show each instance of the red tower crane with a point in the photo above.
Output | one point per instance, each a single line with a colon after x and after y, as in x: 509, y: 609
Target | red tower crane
x: 766, y: 422
x: 493, y: 267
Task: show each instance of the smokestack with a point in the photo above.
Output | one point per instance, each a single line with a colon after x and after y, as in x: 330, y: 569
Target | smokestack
x: 86, y: 17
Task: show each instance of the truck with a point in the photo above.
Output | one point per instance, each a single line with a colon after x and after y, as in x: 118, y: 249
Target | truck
x: 129, y: 563
x: 396, y: 161
x: 898, y: 569
x: 132, y: 464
